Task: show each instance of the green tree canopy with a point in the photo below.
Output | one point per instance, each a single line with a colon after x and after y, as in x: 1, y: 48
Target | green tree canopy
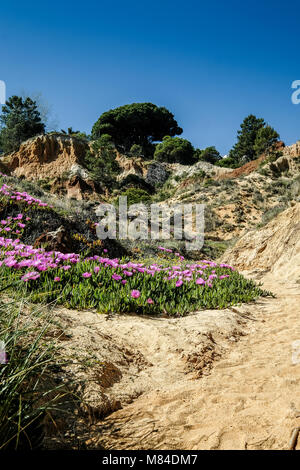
x: 243, y: 151
x: 175, y: 150
x: 136, y: 123
x: 253, y: 138
x: 210, y: 155
x: 19, y: 121
x: 266, y: 137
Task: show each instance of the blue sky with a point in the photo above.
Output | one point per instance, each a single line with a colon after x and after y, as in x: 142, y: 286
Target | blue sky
x: 210, y: 63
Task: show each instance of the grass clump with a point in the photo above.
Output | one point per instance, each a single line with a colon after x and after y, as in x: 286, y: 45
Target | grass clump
x: 26, y: 395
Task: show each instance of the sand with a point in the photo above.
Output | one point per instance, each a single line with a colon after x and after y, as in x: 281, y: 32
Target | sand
x: 248, y: 400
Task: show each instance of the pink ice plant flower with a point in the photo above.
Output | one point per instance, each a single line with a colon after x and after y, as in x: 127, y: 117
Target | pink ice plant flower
x: 31, y: 276
x: 135, y: 293
x: 86, y: 275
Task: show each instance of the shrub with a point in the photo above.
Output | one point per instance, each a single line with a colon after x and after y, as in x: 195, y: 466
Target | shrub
x: 210, y: 155
x: 101, y: 162
x: 271, y: 214
x: 175, y: 150
x: 135, y: 195
x: 136, y: 151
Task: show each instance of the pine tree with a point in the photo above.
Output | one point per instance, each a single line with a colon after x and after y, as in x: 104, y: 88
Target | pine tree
x: 20, y: 120
x: 244, y: 151
x: 266, y: 137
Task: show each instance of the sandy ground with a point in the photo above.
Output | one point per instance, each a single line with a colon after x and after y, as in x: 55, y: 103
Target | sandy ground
x: 114, y: 360
x: 247, y: 399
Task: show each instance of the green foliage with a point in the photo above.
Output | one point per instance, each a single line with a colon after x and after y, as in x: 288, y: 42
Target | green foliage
x: 135, y: 181
x: 271, y: 214
x: 136, y: 150
x: 265, y: 140
x: 102, y: 292
x: 101, y: 162
x: 136, y: 123
x: 136, y: 195
x: 25, y: 394
x: 20, y: 120
x: 228, y: 162
x: 243, y: 151
x: 253, y: 139
x: 175, y: 150
x: 77, y: 134
x: 210, y: 155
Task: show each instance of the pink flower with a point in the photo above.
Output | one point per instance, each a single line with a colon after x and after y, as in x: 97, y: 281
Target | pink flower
x: 135, y: 294
x: 179, y: 283
x: 33, y: 275
x: 127, y: 273
x: 116, y: 277
x: 96, y: 269
x: 150, y: 301
x: 56, y: 279
x: 21, y: 225
x: 86, y: 275
x: 105, y: 250
x: 124, y: 281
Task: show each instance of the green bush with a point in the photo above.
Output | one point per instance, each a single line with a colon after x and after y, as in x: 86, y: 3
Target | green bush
x: 101, y: 162
x: 175, y: 150
x: 136, y: 151
x: 210, y: 155
x: 136, y: 195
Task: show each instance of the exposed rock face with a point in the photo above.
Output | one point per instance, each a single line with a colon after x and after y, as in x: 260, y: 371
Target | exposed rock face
x: 274, y: 248
x: 157, y: 174
x: 190, y: 170
x: 153, y: 173
x: 78, y: 188
x: 287, y: 163
x: 292, y: 150
x: 131, y: 166
x: 57, y: 159
x: 46, y: 156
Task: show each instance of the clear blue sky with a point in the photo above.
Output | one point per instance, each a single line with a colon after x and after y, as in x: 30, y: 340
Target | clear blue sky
x: 210, y: 63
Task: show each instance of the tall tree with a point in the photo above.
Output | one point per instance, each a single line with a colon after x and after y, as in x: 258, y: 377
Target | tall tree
x: 243, y: 151
x: 19, y: 121
x: 136, y: 123
x: 265, y: 140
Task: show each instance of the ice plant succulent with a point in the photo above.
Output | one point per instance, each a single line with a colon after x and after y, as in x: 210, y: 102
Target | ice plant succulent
x: 112, y: 284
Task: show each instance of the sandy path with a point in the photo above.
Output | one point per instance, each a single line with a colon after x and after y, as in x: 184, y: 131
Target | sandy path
x: 247, y: 401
